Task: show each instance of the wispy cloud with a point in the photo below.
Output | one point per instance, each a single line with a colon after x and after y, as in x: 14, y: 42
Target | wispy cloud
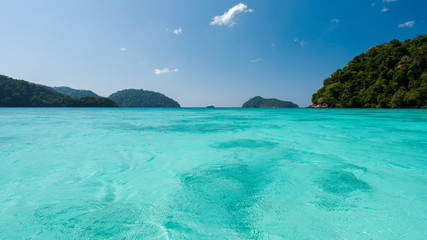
x: 335, y: 20
x: 407, y: 24
x: 389, y: 0
x: 165, y: 70
x: 302, y: 43
x: 122, y: 49
x: 177, y: 31
x: 228, y: 17
x: 255, y: 60
x: 384, y: 9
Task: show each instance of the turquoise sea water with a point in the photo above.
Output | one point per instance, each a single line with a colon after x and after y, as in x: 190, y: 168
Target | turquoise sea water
x: 213, y: 174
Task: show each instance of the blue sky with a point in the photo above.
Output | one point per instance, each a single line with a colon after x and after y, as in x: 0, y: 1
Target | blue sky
x: 197, y: 52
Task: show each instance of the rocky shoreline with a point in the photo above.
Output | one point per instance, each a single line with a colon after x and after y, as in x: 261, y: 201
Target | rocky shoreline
x: 326, y: 106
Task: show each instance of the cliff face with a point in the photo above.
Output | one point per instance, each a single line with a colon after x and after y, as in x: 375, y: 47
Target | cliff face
x: 391, y: 75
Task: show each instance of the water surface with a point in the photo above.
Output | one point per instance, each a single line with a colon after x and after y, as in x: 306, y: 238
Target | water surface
x: 213, y: 174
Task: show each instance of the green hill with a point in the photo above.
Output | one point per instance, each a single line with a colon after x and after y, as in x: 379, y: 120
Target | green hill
x: 391, y: 75
x: 75, y: 93
x: 92, y: 102
x: 142, y: 98
x: 259, y: 102
x: 20, y: 93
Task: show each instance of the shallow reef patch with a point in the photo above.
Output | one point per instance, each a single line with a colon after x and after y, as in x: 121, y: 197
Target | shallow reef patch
x: 95, y: 220
x: 244, y: 143
x: 342, y: 183
x: 339, y: 187
x: 216, y: 195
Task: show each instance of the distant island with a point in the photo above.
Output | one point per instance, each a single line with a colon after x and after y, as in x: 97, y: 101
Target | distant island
x: 391, y: 75
x: 259, y: 102
x: 142, y: 98
x: 75, y: 93
x: 20, y: 93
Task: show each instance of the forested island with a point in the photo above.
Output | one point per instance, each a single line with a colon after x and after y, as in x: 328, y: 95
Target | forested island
x: 20, y: 93
x: 142, y: 98
x: 75, y: 93
x: 391, y: 75
x: 259, y: 102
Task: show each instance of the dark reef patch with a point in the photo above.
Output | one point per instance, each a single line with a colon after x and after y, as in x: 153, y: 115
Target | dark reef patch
x: 226, y: 193
x: 338, y: 189
x: 183, y: 128
x: 354, y: 167
x: 213, y: 118
x: 245, y: 143
x: 6, y: 139
x: 314, y: 119
x: 342, y: 183
x: 196, y: 128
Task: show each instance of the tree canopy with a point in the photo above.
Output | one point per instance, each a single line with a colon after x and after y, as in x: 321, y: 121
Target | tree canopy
x: 20, y: 93
x: 142, y: 98
x: 391, y: 75
x: 259, y: 102
x: 75, y: 93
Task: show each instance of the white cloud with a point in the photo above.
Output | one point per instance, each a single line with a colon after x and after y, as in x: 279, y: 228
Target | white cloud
x: 384, y: 9
x: 256, y: 60
x: 165, y: 70
x: 177, y: 31
x: 389, y: 0
x: 335, y: 20
x: 296, y: 39
x: 123, y: 49
x: 407, y: 24
x: 228, y: 17
x: 302, y: 43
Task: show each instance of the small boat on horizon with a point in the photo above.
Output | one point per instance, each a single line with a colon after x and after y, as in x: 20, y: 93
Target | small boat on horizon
x: 210, y: 106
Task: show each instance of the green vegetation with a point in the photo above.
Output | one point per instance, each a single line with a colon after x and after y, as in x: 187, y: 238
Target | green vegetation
x: 92, y: 102
x: 259, y: 102
x: 75, y: 93
x: 391, y: 75
x: 19, y: 93
x: 142, y: 98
